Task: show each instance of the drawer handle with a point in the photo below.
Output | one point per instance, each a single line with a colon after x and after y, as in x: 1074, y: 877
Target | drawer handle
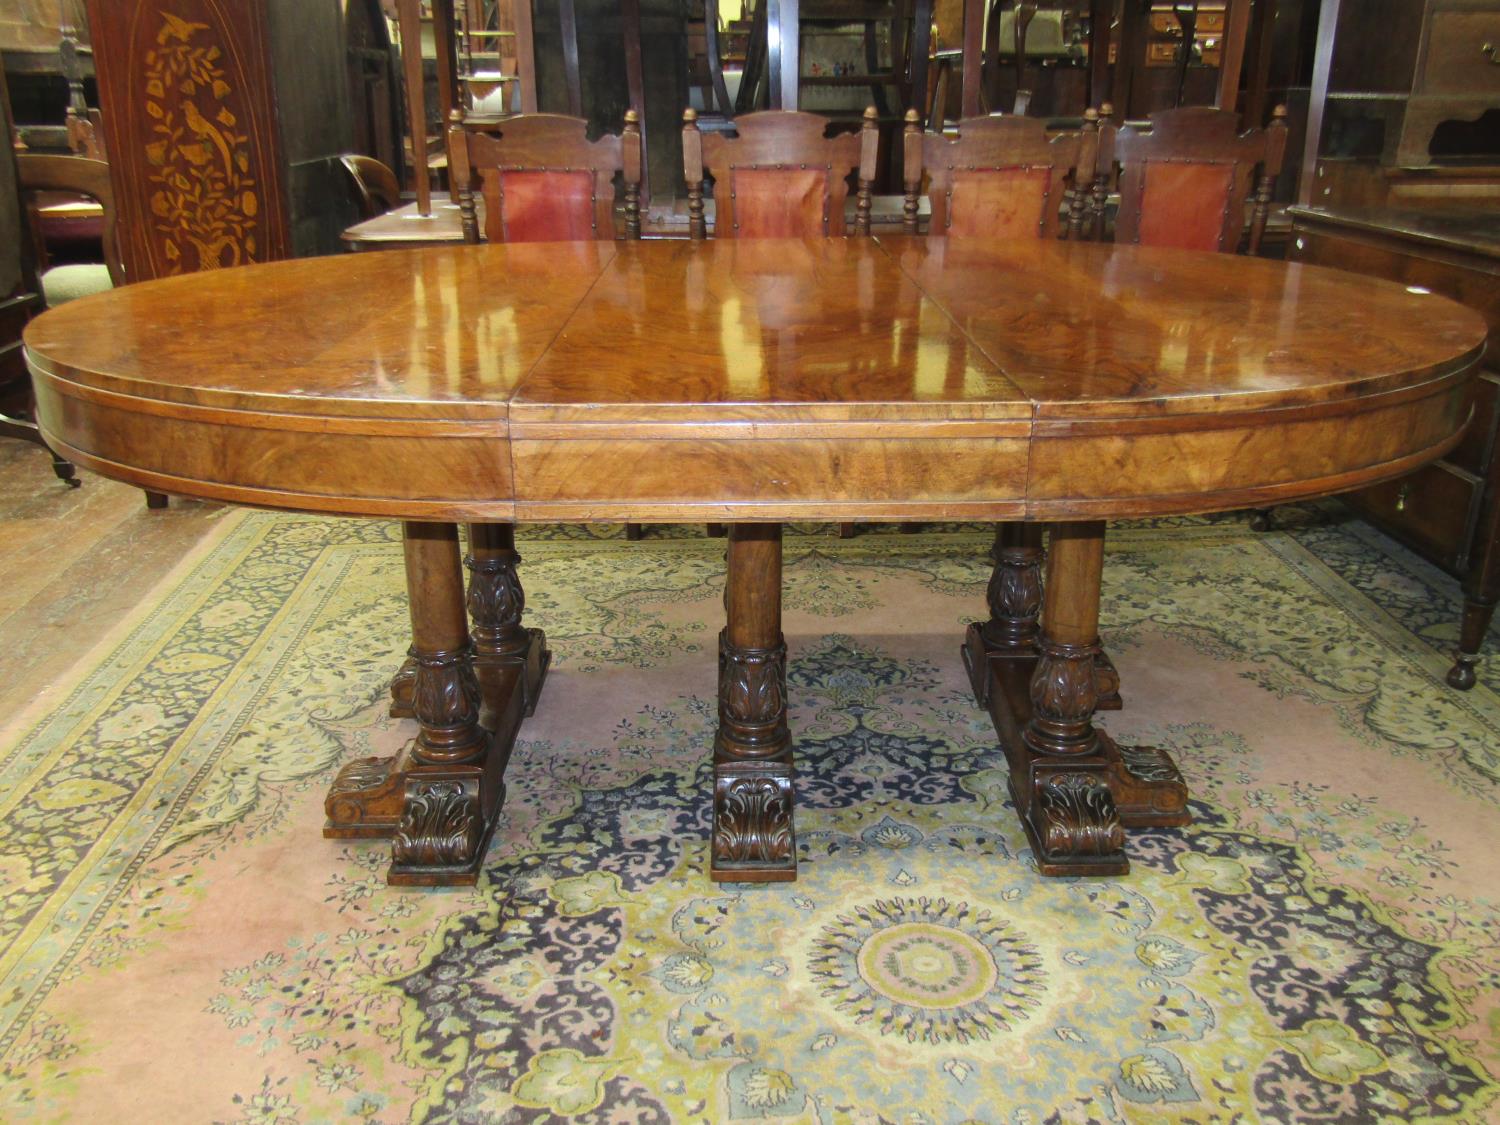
x: 1401, y: 496
x: 1492, y: 53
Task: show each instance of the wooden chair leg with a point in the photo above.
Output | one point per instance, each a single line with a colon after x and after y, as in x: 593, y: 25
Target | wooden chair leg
x: 846, y: 531
x: 633, y: 531
x: 156, y: 500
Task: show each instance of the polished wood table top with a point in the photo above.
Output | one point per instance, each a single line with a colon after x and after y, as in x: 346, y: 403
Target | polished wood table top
x: 894, y: 378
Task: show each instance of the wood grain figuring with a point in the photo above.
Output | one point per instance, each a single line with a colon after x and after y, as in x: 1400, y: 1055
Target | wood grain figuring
x: 897, y: 378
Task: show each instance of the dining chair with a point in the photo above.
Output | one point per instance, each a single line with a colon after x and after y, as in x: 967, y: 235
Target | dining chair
x: 543, y: 180
x: 1001, y: 177
x: 1184, y: 182
x: 777, y: 175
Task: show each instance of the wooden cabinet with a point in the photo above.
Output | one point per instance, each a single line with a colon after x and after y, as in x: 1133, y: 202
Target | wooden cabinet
x: 1457, y: 74
x: 224, y: 124
x: 1449, y: 510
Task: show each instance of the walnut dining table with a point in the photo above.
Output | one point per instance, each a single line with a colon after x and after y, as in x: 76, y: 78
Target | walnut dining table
x: 1032, y: 384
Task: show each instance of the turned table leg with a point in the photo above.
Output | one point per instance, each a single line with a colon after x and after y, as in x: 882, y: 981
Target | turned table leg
x: 439, y: 799
x: 1075, y: 789
x: 752, y: 837
x: 1015, y: 601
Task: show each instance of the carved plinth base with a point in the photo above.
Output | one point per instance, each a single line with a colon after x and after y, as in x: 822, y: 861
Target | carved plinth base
x: 532, y: 662
x: 403, y: 684
x: 1075, y: 809
x: 439, y: 818
x: 447, y: 819
x: 753, y: 839
x: 978, y: 653
x: 366, y: 798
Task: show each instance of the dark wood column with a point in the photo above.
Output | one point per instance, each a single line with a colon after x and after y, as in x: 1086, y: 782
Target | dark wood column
x: 753, y: 837
x: 496, y: 603
x: 1075, y: 789
x: 1015, y: 603
x: 439, y: 799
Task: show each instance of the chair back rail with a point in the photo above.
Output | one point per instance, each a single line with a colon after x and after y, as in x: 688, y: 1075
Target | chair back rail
x: 1001, y: 177
x: 542, y: 179
x: 82, y: 176
x: 1186, y: 179
x: 779, y: 175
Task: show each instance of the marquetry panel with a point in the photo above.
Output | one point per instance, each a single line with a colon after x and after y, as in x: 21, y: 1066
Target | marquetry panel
x: 191, y: 132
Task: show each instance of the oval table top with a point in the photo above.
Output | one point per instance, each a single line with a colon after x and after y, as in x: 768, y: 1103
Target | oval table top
x: 887, y: 378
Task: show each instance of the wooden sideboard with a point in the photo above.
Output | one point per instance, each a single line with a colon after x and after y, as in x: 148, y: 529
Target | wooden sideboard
x: 1448, y: 511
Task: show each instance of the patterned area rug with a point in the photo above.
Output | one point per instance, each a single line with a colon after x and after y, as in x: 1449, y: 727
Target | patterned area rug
x: 1323, y: 944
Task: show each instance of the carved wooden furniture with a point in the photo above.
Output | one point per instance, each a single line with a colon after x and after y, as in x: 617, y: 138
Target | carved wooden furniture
x: 1184, y: 182
x: 1449, y: 511
x: 543, y: 180
x: 1001, y: 177
x: 455, y: 73
x: 1402, y: 89
x: 883, y: 379
x: 224, y: 125
x: 778, y: 175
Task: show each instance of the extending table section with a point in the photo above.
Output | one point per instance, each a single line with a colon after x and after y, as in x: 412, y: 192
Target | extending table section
x: 753, y: 382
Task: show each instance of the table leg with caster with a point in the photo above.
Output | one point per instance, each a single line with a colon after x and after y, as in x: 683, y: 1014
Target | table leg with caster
x: 752, y: 838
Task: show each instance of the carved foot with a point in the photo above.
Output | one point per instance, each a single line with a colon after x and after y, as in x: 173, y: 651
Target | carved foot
x: 1071, y: 820
x: 1144, y: 786
x: 366, y: 799
x: 1148, y: 788
x: 446, y: 825
x: 403, y: 684
x: 753, y: 839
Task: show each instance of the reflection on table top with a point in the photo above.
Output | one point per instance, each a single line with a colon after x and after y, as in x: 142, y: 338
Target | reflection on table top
x: 764, y: 325
x: 407, y: 228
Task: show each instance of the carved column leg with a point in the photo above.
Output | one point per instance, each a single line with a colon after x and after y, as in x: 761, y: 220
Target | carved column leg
x: 1015, y: 600
x: 438, y: 799
x: 1061, y: 787
x: 452, y: 792
x: 496, y: 603
x: 752, y: 817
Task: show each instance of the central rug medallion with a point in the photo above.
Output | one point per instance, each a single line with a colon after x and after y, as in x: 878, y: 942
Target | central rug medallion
x: 933, y: 971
